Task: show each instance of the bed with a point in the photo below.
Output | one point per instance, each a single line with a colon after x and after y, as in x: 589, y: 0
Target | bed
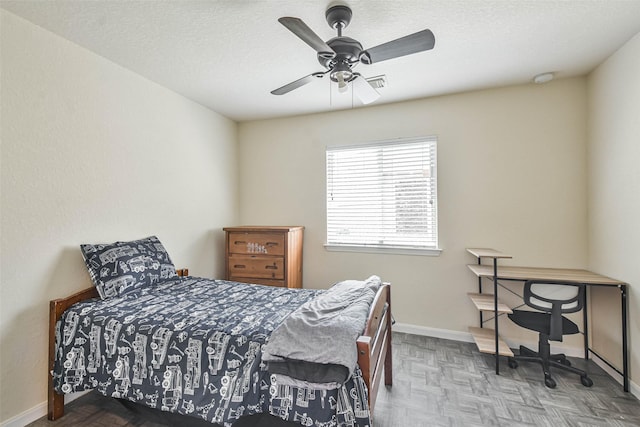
x: 203, y: 348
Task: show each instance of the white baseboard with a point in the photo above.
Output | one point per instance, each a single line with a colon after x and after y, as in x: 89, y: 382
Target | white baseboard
x: 466, y: 337
x: 432, y: 332
x: 633, y: 387
x: 26, y: 417
x: 38, y: 411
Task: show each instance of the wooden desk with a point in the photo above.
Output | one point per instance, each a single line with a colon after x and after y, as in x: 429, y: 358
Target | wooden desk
x: 553, y: 275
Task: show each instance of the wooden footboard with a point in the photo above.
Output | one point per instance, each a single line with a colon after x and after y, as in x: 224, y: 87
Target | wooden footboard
x: 374, y: 345
x: 55, y: 401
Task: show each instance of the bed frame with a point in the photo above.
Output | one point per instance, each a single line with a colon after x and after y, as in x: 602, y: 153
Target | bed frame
x: 374, y: 345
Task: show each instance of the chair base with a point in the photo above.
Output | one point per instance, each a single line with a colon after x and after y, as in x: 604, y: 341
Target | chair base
x: 544, y: 357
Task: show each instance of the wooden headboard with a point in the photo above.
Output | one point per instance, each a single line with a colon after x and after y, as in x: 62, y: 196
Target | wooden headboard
x: 56, y: 308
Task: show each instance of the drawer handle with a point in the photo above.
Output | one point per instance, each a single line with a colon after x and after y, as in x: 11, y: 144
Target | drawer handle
x: 239, y: 242
x: 271, y: 267
x: 271, y: 244
x: 239, y: 266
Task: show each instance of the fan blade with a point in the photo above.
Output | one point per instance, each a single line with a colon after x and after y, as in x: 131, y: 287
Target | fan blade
x: 296, y: 84
x: 364, y: 91
x: 413, y: 43
x: 306, y: 34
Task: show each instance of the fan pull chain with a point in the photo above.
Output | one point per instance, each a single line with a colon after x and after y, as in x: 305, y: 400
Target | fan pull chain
x: 351, y: 95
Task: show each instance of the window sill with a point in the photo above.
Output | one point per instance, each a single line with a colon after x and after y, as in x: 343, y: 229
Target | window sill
x: 383, y: 250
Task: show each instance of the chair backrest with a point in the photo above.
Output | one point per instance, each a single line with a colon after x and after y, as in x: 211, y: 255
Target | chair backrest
x: 555, y: 298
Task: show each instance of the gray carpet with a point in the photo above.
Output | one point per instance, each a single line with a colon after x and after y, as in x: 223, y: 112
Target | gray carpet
x: 448, y: 383
x: 436, y: 383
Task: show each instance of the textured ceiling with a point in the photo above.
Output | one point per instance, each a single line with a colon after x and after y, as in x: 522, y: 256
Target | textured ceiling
x: 229, y: 54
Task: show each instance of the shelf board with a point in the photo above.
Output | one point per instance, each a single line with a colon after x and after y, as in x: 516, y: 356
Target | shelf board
x: 487, y: 253
x: 484, y: 302
x: 485, y: 340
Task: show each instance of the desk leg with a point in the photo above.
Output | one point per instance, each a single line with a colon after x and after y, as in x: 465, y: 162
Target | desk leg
x: 495, y: 312
x: 585, y: 320
x: 480, y: 291
x: 625, y: 349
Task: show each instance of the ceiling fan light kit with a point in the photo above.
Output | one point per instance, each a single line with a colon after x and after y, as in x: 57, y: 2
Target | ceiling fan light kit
x: 341, y: 54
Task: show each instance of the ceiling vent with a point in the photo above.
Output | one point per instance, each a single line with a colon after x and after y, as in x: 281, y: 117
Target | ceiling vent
x: 377, y: 82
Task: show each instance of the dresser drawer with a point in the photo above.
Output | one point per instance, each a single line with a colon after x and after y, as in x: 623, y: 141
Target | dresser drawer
x: 256, y: 266
x: 256, y: 243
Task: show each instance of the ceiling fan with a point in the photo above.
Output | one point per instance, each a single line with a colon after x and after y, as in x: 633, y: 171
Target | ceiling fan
x: 341, y: 54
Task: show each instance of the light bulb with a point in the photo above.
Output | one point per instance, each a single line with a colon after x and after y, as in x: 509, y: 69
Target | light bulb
x: 342, y: 85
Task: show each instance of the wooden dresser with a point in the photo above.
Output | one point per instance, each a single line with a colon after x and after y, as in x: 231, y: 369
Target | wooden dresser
x: 264, y: 255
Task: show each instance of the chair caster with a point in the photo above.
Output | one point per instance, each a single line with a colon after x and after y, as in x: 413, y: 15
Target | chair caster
x: 512, y: 363
x: 549, y: 382
x: 586, y: 381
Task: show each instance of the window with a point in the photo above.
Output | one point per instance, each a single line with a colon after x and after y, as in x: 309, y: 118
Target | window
x: 383, y: 196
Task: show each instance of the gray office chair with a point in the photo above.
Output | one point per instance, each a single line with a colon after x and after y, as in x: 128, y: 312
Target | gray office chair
x: 552, y: 300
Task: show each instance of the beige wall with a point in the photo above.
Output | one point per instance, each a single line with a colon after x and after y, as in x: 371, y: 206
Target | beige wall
x: 511, y: 175
x: 92, y: 152
x: 614, y: 194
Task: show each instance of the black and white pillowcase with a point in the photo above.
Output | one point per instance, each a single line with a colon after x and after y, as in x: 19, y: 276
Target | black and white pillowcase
x: 121, y: 267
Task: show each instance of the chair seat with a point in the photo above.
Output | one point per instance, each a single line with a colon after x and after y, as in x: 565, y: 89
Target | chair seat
x: 540, y: 322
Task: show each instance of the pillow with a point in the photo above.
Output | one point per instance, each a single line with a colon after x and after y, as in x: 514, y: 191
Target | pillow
x: 121, y: 267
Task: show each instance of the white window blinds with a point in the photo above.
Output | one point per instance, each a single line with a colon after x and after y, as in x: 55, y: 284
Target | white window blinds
x: 383, y: 195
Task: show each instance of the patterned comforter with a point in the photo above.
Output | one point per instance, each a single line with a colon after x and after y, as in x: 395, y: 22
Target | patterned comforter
x: 194, y: 346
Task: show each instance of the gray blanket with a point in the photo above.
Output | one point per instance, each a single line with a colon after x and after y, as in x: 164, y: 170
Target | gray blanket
x: 317, y: 342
